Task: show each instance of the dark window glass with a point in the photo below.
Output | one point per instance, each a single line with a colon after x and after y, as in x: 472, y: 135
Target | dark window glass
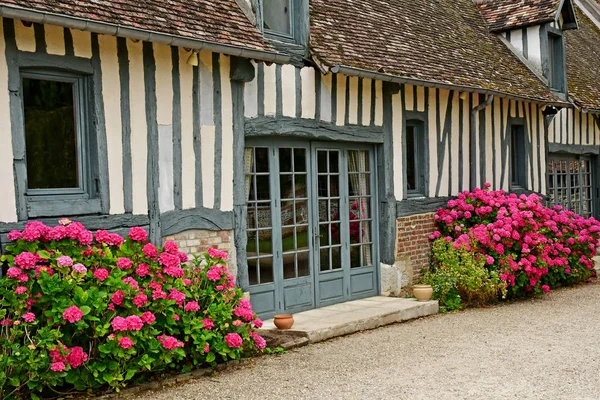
x: 411, y: 159
x: 50, y: 134
x: 517, y: 156
x: 277, y: 16
x: 415, y: 158
x: 556, y: 62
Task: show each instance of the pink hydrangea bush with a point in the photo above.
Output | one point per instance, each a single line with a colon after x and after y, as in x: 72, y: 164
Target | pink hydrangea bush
x: 533, y: 248
x: 88, y: 311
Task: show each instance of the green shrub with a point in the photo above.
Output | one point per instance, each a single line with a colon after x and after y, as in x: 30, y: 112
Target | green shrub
x: 460, y: 277
x: 82, y: 312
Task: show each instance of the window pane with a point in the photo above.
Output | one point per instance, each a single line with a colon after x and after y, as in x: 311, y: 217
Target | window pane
x: 411, y: 159
x: 276, y: 14
x: 50, y: 134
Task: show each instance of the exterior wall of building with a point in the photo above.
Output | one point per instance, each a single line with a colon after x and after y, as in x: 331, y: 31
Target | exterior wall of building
x: 197, y: 241
x: 288, y: 91
x: 154, y: 115
x: 571, y: 126
x: 528, y: 43
x: 448, y: 116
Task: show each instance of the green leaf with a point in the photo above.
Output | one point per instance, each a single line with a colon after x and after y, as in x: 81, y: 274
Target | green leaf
x: 130, y: 374
x: 85, y: 310
x: 34, y: 396
x: 44, y: 254
x: 108, y: 377
x: 210, y: 357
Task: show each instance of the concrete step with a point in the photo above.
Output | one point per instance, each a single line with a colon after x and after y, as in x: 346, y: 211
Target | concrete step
x: 354, y: 316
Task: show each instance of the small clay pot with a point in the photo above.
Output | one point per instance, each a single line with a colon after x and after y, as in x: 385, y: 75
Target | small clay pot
x: 283, y: 321
x: 423, y: 292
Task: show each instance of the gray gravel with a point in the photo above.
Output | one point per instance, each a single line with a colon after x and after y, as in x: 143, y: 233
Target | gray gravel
x: 544, y: 348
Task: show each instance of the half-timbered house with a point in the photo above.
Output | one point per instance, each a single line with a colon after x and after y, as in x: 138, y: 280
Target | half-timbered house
x: 312, y: 141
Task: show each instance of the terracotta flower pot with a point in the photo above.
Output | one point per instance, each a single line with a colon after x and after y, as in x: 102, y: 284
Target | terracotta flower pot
x: 423, y: 292
x: 283, y: 321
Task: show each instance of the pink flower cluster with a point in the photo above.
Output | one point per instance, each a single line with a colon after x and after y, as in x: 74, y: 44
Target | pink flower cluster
x: 244, y: 310
x: 259, y: 341
x: 138, y: 234
x: 169, y: 342
x: 233, y: 340
x: 518, y: 235
x: 111, y: 239
x: 215, y: 253
x: 72, y: 314
x: 74, y: 356
x: 131, y: 323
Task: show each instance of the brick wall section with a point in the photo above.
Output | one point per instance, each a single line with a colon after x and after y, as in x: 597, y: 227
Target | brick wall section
x: 412, y: 244
x: 199, y: 241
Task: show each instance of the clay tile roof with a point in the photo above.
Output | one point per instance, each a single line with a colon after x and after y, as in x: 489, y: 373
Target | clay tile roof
x: 444, y: 41
x: 503, y: 15
x: 218, y: 21
x: 583, y: 63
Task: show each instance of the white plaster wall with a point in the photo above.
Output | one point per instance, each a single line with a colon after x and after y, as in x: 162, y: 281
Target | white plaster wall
x: 409, y: 96
x: 166, y: 199
x: 207, y: 115
x: 188, y: 159
x: 25, y: 37
x: 111, y: 93
x: 251, y: 97
x: 8, y: 208
x: 445, y: 174
x: 326, y: 88
x: 55, y: 39
x: 164, y: 116
x: 353, y: 101
x: 227, y: 138
x: 139, y: 130
x: 288, y: 86
x: 378, y: 103
x: 307, y: 75
x: 432, y: 141
x: 366, y: 106
x: 207, y: 133
x: 341, y: 100
x: 516, y: 39
x: 534, y: 47
x: 454, y: 144
x: 82, y: 43
x: 270, y: 90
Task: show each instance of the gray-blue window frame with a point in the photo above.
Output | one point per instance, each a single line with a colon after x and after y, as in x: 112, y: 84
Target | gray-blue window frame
x: 557, y: 68
x: 80, y: 99
x: 419, y: 121
x: 280, y: 35
x: 520, y: 153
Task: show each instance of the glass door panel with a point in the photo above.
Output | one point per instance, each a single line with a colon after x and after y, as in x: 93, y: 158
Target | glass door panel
x: 360, y: 217
x: 295, y: 232
x: 330, y: 235
x: 259, y: 247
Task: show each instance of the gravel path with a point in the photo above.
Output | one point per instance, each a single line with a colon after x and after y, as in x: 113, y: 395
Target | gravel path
x: 544, y: 348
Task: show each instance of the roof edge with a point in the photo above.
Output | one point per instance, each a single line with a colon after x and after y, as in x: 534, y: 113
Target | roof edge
x: 363, y: 73
x: 107, y: 28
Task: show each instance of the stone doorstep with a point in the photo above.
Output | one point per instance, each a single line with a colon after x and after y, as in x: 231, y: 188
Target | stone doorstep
x: 354, y: 316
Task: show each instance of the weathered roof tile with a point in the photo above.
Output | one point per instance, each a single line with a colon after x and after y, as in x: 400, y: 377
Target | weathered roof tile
x: 443, y: 41
x: 583, y: 63
x: 503, y: 15
x: 219, y: 21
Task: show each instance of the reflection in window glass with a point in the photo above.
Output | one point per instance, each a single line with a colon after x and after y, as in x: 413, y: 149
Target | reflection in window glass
x: 277, y: 16
x: 50, y: 134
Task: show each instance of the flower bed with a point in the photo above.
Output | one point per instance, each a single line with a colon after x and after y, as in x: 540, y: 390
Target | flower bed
x: 532, y: 247
x: 83, y: 311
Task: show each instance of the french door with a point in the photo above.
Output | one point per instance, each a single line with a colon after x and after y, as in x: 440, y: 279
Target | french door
x: 570, y: 183
x: 310, y: 226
